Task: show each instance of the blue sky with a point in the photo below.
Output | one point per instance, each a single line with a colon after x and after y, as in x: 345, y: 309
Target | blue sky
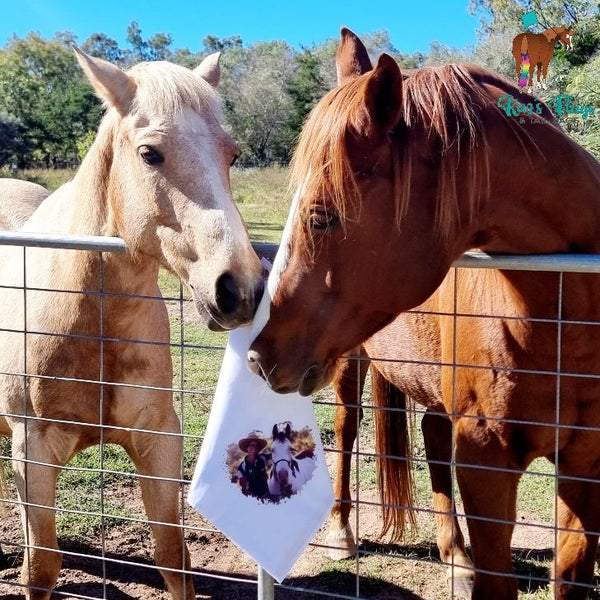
x: 412, y: 25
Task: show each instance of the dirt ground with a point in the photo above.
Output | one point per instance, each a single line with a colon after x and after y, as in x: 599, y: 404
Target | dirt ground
x: 403, y: 572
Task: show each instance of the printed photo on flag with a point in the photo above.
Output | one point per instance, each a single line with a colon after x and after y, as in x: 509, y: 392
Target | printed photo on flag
x: 261, y: 476
x: 275, y: 469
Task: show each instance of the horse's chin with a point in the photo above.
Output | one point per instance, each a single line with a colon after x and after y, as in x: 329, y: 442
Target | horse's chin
x: 210, y: 316
x: 313, y: 379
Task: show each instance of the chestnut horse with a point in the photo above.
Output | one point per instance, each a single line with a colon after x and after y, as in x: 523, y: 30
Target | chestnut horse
x: 84, y: 343
x: 397, y: 179
x: 392, y: 446
x: 535, y: 50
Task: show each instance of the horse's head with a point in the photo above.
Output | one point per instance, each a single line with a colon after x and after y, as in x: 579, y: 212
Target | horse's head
x: 371, y: 163
x: 282, y: 431
x: 167, y: 159
x: 564, y: 35
x: 566, y: 38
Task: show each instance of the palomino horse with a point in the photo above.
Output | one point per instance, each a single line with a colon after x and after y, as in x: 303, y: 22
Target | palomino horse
x: 93, y: 367
x: 18, y: 200
x: 396, y: 179
x: 535, y: 50
x: 290, y: 471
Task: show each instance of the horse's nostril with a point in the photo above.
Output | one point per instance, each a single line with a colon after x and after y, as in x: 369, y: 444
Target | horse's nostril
x: 227, y: 296
x: 253, y: 363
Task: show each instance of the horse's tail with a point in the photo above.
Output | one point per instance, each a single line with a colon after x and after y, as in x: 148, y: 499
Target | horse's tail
x: 525, y: 62
x: 392, y: 446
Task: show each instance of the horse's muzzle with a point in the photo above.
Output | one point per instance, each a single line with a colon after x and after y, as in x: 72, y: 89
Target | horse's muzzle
x: 293, y: 379
x: 232, y: 299
x: 233, y: 306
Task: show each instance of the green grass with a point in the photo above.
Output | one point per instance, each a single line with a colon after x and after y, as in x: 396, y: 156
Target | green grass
x: 261, y: 195
x: 51, y: 179
x: 83, y: 509
x: 263, y: 199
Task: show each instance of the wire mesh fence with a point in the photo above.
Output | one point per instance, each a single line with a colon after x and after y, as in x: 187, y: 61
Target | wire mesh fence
x: 105, y: 535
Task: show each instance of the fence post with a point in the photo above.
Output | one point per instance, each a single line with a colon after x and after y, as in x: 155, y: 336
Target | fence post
x: 266, y: 585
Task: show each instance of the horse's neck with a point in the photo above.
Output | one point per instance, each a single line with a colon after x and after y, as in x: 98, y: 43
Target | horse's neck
x: 81, y: 207
x: 552, y: 35
x: 550, y: 204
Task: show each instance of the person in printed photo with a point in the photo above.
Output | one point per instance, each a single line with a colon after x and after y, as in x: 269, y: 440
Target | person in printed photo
x: 252, y: 472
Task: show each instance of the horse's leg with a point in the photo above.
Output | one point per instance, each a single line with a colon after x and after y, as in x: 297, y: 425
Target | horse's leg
x: 532, y: 68
x: 348, y: 384
x: 544, y: 74
x: 437, y: 435
x: 541, y: 83
x: 576, y: 550
x: 32, y: 451
x: 158, y: 459
x: 489, y: 497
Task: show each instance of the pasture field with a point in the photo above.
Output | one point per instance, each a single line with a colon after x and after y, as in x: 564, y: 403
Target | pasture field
x: 98, y: 497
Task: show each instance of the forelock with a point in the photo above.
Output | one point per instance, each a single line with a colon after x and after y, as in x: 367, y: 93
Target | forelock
x: 167, y: 88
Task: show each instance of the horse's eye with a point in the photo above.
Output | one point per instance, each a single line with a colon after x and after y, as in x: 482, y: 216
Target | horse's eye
x: 322, y: 219
x: 151, y: 156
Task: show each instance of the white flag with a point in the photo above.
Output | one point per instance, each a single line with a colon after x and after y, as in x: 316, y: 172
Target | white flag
x: 261, y: 476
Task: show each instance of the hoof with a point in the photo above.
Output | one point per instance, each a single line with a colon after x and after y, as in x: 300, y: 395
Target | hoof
x: 460, y: 583
x: 340, y: 544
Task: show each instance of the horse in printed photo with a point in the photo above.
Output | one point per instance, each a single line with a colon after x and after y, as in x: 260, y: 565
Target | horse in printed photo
x: 291, y: 469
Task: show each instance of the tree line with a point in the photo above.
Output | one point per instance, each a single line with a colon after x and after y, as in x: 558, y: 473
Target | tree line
x: 49, y: 114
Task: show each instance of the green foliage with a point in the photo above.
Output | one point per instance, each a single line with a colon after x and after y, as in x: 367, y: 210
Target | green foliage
x: 254, y: 84
x: 101, y: 46
x: 305, y: 88
x: 84, y: 144
x: 42, y: 87
x: 154, y: 48
x: 212, y: 44
x: 13, y: 141
x: 585, y: 86
x: 48, y: 108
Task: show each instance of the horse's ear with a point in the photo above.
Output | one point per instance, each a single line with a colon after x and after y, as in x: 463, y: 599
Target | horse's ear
x: 351, y: 59
x: 209, y: 69
x: 383, y: 94
x: 114, y: 87
x: 275, y: 431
